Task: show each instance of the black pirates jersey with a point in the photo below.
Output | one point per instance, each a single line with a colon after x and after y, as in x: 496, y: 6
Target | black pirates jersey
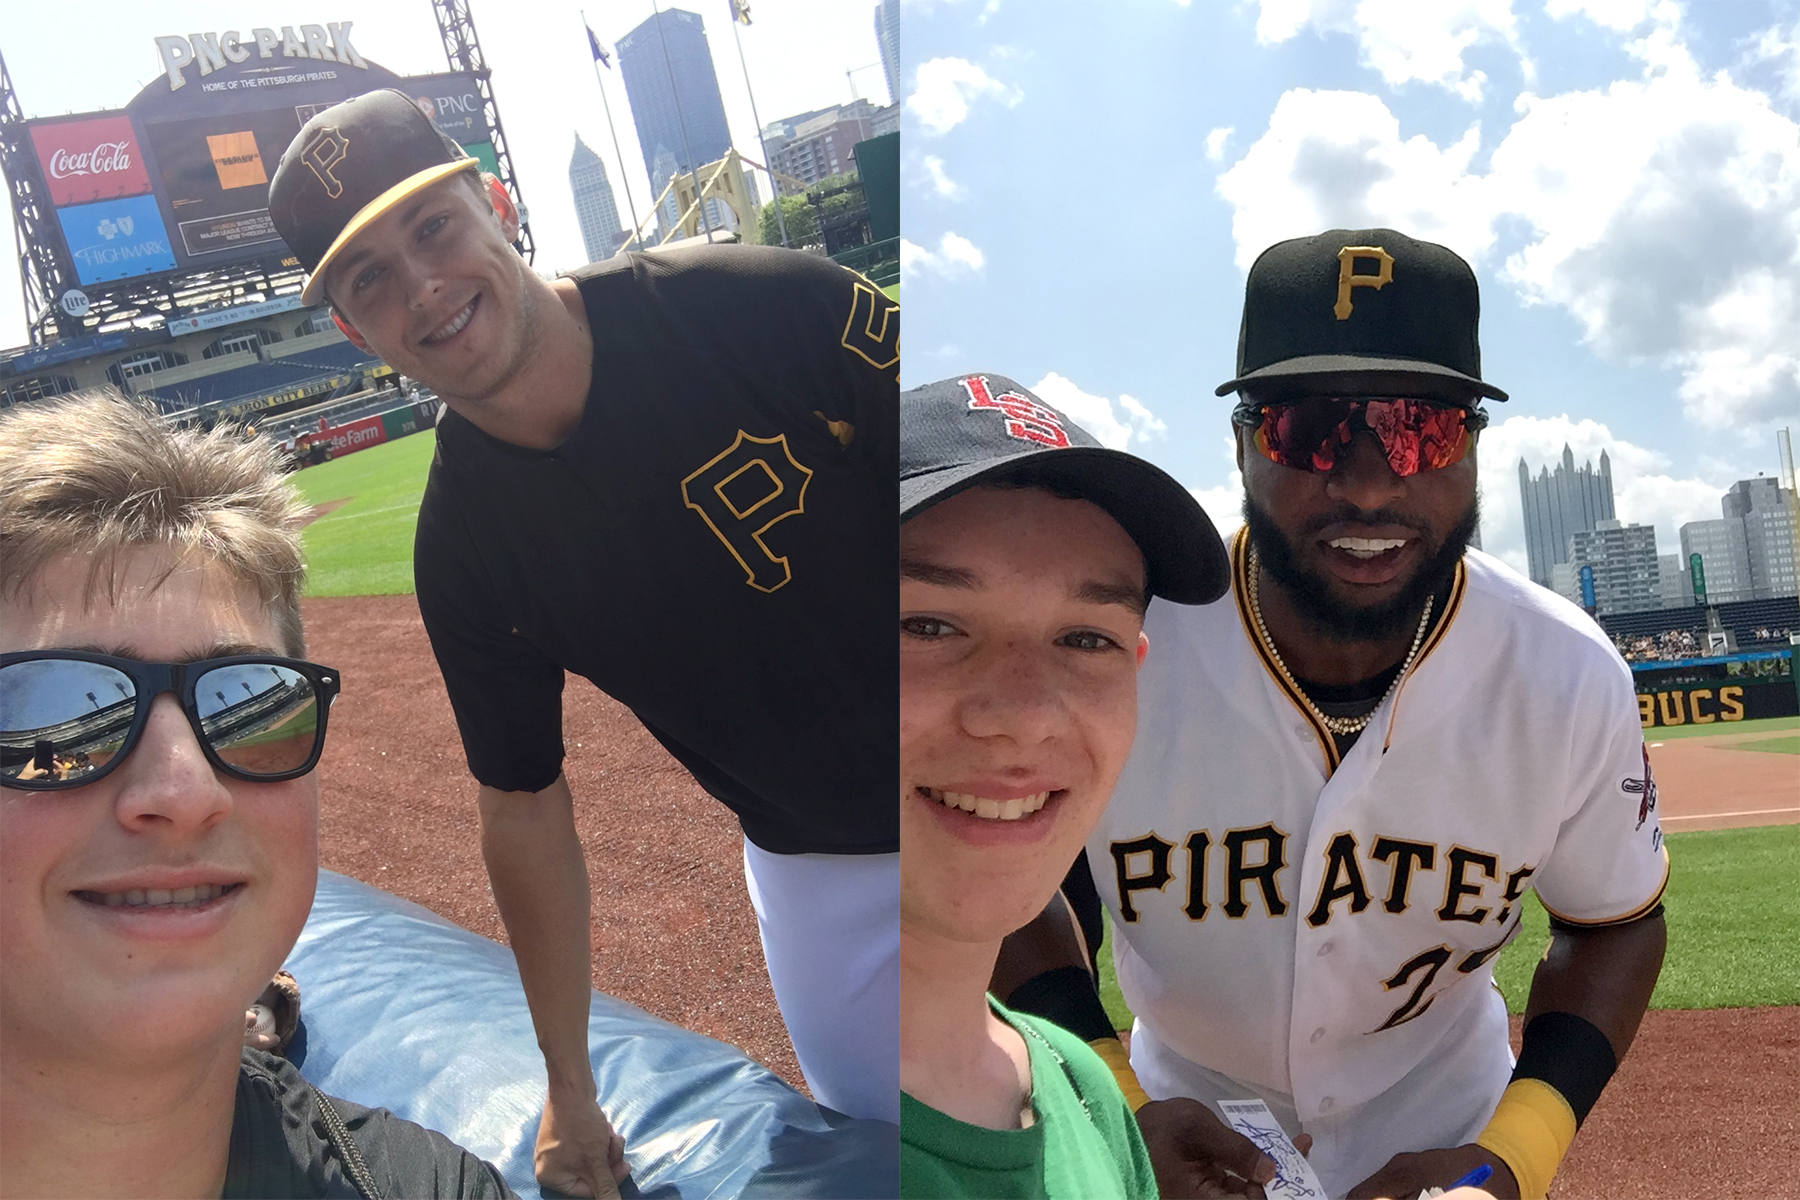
x: 715, y: 545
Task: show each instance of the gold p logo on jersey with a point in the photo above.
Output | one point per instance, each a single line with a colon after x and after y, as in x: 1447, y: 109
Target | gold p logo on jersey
x: 873, y: 329
x: 743, y: 491
x: 326, y: 150
x: 1348, y: 278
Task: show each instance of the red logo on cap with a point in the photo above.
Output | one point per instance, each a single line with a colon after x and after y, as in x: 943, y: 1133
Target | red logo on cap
x: 1026, y: 420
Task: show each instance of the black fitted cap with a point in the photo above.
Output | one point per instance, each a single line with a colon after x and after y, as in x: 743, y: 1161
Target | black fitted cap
x: 1361, y: 301
x: 961, y: 432
x: 348, y: 165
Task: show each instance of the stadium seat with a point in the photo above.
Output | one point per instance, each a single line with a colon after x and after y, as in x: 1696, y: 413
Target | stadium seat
x: 403, y: 1010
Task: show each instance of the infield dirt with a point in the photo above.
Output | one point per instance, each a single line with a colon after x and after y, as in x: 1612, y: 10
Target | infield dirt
x: 1707, y: 1103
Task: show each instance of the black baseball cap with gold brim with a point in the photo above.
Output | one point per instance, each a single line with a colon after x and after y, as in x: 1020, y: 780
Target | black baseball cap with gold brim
x: 1361, y: 304
x: 350, y: 164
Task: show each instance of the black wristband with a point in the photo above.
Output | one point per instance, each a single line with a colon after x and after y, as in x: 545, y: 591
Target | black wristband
x: 1066, y: 996
x: 1571, y: 1055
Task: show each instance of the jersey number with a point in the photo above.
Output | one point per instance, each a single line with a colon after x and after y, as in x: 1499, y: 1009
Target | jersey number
x: 743, y: 491
x: 1426, y: 966
x: 872, y: 331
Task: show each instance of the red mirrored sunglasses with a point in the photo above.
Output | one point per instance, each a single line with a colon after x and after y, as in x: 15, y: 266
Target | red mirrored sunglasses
x: 1310, y: 434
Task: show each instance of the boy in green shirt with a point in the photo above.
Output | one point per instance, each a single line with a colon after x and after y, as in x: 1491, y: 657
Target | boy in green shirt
x: 1028, y: 555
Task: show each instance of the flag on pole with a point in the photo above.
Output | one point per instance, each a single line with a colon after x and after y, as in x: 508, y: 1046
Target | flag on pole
x: 600, y: 56
x: 740, y: 11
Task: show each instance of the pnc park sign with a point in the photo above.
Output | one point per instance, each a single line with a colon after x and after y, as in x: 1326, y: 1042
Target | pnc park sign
x: 211, y: 52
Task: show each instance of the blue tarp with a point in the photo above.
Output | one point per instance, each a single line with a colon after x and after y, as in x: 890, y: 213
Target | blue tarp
x: 406, y: 1011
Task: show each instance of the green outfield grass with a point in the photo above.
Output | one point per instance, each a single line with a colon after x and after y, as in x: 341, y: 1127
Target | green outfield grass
x: 1670, y: 733
x: 364, y: 548
x: 1734, y: 920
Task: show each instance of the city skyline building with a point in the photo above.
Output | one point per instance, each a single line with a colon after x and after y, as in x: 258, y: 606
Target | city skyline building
x: 1623, y: 559
x: 596, y: 209
x: 1557, y: 505
x: 887, y: 37
x: 1724, y: 559
x: 1764, y: 508
x: 673, y: 91
x: 816, y: 145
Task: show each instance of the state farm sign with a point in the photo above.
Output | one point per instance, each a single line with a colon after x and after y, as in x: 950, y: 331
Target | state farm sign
x: 85, y: 161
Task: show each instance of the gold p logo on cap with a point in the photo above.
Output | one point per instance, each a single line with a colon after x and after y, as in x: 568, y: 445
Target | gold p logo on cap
x: 325, y: 151
x: 1348, y: 278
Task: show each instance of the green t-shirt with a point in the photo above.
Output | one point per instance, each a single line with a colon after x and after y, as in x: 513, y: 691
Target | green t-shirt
x: 1067, y: 1154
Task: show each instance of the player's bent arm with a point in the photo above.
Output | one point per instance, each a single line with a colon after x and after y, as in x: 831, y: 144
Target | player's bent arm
x: 540, y: 882
x: 1587, y: 998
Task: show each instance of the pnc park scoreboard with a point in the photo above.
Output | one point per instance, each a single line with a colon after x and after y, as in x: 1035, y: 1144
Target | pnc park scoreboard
x: 177, y: 181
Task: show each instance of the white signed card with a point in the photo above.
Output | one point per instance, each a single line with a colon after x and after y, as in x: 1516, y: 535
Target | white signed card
x: 1294, y: 1178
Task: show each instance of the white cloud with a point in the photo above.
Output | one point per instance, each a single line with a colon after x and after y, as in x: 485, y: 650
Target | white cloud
x: 1643, y: 492
x: 1336, y: 159
x: 1781, y: 48
x: 1224, y: 504
x: 955, y: 256
x: 1619, y: 15
x: 1117, y: 428
x: 944, y: 88
x: 942, y: 185
x: 1404, y: 40
x: 1215, y: 143
x: 1662, y: 213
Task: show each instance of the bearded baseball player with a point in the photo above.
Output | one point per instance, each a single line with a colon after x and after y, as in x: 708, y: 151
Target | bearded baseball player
x: 1349, y: 773
x: 672, y: 474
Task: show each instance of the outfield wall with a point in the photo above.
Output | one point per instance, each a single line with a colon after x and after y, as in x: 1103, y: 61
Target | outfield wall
x: 389, y: 426
x: 1723, y: 689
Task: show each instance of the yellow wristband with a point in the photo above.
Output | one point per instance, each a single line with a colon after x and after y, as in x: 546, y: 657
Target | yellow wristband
x: 1530, y: 1132
x: 1112, y: 1053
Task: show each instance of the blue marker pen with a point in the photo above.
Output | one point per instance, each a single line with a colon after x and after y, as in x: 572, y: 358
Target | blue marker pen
x: 1474, y: 1178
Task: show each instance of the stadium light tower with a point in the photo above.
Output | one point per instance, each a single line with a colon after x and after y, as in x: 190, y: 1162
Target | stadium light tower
x: 457, y: 27
x: 41, y: 276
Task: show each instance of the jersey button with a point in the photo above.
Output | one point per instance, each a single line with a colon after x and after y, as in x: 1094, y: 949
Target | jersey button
x: 1317, y: 1034
x: 1324, y: 949
x: 1325, y: 1103
x: 1303, y: 731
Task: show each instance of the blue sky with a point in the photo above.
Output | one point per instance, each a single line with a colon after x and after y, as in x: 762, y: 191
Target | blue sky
x: 1086, y: 184
x: 797, y: 51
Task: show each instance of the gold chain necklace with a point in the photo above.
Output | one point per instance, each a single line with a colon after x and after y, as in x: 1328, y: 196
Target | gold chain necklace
x: 1341, y: 726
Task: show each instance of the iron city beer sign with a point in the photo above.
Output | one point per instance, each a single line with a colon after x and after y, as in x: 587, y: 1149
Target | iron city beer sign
x: 211, y: 52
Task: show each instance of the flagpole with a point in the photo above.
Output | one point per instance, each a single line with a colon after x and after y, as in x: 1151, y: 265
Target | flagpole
x: 675, y: 93
x: 637, y: 230
x: 769, y: 167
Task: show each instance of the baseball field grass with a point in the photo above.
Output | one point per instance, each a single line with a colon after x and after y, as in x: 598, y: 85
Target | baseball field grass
x: 363, y: 546
x: 1733, y: 914
x: 1775, y: 725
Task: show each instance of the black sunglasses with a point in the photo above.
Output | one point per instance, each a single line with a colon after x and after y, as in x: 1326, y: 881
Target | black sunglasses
x: 68, y: 717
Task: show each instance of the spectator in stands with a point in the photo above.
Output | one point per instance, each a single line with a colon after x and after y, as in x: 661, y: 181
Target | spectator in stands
x: 151, y: 891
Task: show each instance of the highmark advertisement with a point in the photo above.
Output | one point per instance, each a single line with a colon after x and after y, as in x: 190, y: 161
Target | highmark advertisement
x: 116, y: 239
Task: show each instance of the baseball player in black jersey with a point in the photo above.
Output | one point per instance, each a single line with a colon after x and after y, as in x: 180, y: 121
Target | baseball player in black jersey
x: 672, y: 474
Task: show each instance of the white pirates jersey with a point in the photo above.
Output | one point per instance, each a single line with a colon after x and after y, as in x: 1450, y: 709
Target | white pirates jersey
x: 1322, y: 933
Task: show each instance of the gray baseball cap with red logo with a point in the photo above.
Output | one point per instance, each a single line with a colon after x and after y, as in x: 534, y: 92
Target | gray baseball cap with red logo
x: 962, y: 432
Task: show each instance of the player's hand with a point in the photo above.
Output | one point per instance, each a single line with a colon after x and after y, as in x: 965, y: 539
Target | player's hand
x: 1197, y: 1155
x: 578, y: 1154
x: 1406, y: 1175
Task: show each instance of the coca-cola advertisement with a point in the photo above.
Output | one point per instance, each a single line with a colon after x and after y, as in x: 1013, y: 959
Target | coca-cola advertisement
x: 89, y: 160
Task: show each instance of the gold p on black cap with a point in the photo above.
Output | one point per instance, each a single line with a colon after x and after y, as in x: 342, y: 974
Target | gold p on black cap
x: 969, y: 430
x: 1361, y: 301
x: 350, y: 164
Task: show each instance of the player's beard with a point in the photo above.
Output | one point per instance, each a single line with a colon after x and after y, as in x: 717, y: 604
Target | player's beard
x: 1311, y: 595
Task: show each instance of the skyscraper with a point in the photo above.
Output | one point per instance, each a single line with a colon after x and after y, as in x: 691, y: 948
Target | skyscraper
x: 887, y: 36
x: 1555, y: 506
x: 595, y: 207
x: 674, y: 95
x: 1627, y: 577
